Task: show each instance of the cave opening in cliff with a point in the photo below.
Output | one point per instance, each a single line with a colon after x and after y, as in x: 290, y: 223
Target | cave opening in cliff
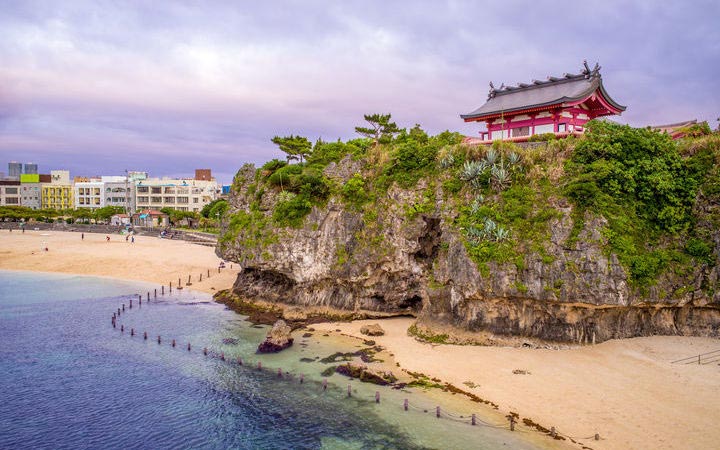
x: 414, y: 303
x: 429, y: 241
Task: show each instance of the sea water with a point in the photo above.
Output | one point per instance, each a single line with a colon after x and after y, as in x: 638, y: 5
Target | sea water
x: 69, y: 380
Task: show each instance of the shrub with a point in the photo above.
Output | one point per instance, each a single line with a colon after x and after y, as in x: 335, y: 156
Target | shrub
x: 354, y: 190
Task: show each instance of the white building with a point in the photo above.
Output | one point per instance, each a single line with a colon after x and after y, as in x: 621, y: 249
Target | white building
x: 89, y: 194
x: 119, y: 191
x: 176, y: 193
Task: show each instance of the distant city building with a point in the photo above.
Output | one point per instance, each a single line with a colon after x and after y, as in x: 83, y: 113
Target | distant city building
x: 30, y: 190
x: 15, y: 170
x: 88, y: 194
x: 150, y: 218
x: 30, y: 168
x: 177, y: 193
x: 9, y: 193
x: 558, y: 105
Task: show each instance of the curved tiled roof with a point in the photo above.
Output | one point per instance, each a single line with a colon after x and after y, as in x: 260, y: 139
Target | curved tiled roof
x: 554, y: 91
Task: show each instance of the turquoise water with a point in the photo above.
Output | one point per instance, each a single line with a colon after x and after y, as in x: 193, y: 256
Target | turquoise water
x: 70, y: 380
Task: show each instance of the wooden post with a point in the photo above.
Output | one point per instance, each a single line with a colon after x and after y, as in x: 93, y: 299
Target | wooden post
x: 512, y: 423
x: 179, y: 283
x: 240, y: 361
x: 162, y: 290
x: 279, y: 372
x: 698, y: 357
x: 597, y: 437
x: 201, y: 278
x: 437, y: 412
x: 123, y: 306
x: 377, y: 396
x: 159, y: 340
x: 218, y: 269
x: 349, y: 391
x: 472, y: 420
x: 324, y: 384
x: 189, y: 346
x: 155, y: 295
x: 553, y: 433
x: 188, y: 283
x: 405, y: 404
x: 222, y: 356
x: 130, y: 303
x: 132, y: 331
x: 208, y: 273
x: 205, y: 351
x: 145, y: 336
x: 302, y: 378
x: 148, y: 297
x: 173, y: 343
x: 122, y: 328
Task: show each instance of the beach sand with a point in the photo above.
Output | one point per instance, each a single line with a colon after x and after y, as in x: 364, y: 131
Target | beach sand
x: 627, y: 391
x: 148, y: 259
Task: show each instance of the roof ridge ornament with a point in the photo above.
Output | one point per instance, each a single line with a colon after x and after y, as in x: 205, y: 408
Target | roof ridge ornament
x: 492, y: 92
x: 586, y: 71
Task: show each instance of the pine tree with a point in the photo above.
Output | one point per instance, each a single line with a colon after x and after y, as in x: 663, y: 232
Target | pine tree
x: 381, y: 130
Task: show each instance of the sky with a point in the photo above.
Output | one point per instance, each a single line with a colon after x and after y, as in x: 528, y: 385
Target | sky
x: 98, y: 87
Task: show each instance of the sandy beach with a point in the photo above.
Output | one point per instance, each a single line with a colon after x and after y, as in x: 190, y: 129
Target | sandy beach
x: 147, y: 259
x: 627, y: 391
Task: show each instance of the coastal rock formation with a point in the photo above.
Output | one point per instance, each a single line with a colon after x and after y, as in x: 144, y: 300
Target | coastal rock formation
x: 277, y: 339
x: 366, y: 375
x: 408, y: 256
x: 373, y: 329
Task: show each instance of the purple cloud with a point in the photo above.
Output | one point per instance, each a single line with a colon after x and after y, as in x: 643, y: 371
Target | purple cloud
x: 170, y: 86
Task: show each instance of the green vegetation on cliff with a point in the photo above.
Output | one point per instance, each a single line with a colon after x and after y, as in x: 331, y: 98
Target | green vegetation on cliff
x: 656, y: 199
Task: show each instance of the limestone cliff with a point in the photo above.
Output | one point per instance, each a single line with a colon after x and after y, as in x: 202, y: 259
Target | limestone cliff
x: 406, y: 252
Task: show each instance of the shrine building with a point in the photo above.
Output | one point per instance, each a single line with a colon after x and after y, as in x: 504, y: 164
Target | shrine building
x: 559, y: 105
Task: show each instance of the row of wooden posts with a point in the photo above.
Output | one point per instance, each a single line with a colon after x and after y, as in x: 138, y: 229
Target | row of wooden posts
x: 438, y: 413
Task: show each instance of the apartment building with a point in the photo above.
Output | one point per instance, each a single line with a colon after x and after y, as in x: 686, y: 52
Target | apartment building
x: 88, y: 193
x: 176, y: 193
x: 9, y: 193
x: 30, y: 190
x: 58, y: 194
x: 119, y: 191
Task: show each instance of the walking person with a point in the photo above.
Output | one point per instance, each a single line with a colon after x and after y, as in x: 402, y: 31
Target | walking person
x: 82, y: 236
x: 132, y: 239
x: 107, y: 238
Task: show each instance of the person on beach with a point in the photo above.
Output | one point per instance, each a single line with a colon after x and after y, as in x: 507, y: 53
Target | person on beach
x: 132, y: 240
x: 82, y: 236
x: 127, y: 236
x: 107, y: 238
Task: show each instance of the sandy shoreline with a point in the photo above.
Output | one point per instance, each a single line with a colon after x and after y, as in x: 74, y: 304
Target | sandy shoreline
x: 148, y: 259
x: 625, y: 390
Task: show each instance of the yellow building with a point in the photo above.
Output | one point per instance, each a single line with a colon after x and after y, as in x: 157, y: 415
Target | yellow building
x: 59, y: 193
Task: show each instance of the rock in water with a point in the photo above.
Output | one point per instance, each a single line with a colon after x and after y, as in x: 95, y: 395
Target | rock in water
x: 277, y: 339
x: 372, y: 330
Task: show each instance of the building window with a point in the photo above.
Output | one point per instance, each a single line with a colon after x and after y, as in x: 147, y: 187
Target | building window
x: 183, y: 200
x: 156, y: 199
x: 195, y: 199
x: 142, y: 189
x: 142, y: 199
x: 520, y: 131
x: 11, y: 200
x: 542, y: 129
x: 169, y: 199
x: 169, y: 190
x: 156, y: 190
x: 11, y: 190
x: 562, y: 127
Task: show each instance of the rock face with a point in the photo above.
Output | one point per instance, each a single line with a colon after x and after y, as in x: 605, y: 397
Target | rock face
x: 417, y: 264
x: 366, y: 375
x: 373, y: 329
x: 277, y: 339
